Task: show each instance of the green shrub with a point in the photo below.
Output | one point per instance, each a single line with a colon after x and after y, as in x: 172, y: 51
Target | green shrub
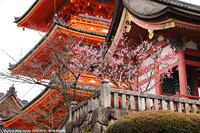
x: 156, y: 121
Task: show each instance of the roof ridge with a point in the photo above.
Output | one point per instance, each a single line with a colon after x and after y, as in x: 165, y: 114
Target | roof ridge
x: 62, y: 23
x: 181, y: 4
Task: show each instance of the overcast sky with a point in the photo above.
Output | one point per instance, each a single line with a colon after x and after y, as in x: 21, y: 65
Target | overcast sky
x: 16, y: 42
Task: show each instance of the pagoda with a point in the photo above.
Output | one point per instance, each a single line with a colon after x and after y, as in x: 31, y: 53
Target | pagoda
x: 87, y: 19
x: 61, y: 20
x: 165, y: 23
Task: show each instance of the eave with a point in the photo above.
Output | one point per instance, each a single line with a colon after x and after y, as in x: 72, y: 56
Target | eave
x: 7, y: 97
x: 180, y: 4
x: 38, y: 103
x: 41, y: 14
x: 61, y: 28
x: 18, y: 120
x: 165, y: 11
x: 161, y: 17
x: 115, y: 21
x: 38, y: 14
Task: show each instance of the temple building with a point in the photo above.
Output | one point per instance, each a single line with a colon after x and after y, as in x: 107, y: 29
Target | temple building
x: 62, y: 21
x: 167, y: 24
x: 89, y: 20
x: 46, y: 111
x: 162, y: 23
x: 9, y: 104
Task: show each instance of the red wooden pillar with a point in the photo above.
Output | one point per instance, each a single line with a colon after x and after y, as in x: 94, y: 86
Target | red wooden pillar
x: 182, y: 73
x: 195, y: 83
x: 158, y: 87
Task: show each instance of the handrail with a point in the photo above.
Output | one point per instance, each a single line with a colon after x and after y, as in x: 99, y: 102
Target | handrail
x: 131, y: 100
x: 191, y: 96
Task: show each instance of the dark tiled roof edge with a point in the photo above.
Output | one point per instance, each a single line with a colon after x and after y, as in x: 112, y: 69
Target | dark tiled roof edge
x: 11, y: 129
x: 7, y: 96
x: 180, y: 4
x: 37, y: 97
x: 17, y: 19
x: 57, y: 22
x: 46, y: 35
x: 31, y: 102
x: 115, y: 21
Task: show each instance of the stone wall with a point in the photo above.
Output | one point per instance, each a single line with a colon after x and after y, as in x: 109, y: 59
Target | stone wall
x: 96, y: 121
x: 108, y: 104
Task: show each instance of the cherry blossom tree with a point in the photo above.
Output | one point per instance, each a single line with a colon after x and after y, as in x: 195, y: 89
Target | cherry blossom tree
x: 124, y: 64
x: 70, y: 56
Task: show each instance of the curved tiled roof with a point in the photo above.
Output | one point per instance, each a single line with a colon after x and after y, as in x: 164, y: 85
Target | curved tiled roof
x: 17, y: 19
x: 115, y: 21
x: 12, y: 130
x: 30, y: 103
x: 144, y: 7
x: 180, y: 4
x: 34, y: 5
x: 37, y: 97
x: 155, y: 11
x: 59, y: 22
x: 151, y: 9
x: 11, y: 92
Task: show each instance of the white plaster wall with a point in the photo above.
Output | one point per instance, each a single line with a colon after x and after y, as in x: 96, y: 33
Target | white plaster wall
x: 166, y: 49
x: 148, y: 61
x: 152, y: 83
x: 145, y: 75
x: 164, y: 52
x: 191, y: 45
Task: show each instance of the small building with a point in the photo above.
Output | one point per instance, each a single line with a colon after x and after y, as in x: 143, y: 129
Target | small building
x: 9, y: 104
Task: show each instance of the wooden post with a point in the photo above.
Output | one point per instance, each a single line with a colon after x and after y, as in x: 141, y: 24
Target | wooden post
x: 194, y: 109
x: 186, y: 108
x: 123, y: 101
x: 177, y: 93
x: 105, y: 94
x: 115, y: 100
x: 71, y: 106
x: 155, y: 104
x: 148, y: 104
x: 182, y: 72
x: 171, y: 105
x: 179, y: 107
x: 132, y: 102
